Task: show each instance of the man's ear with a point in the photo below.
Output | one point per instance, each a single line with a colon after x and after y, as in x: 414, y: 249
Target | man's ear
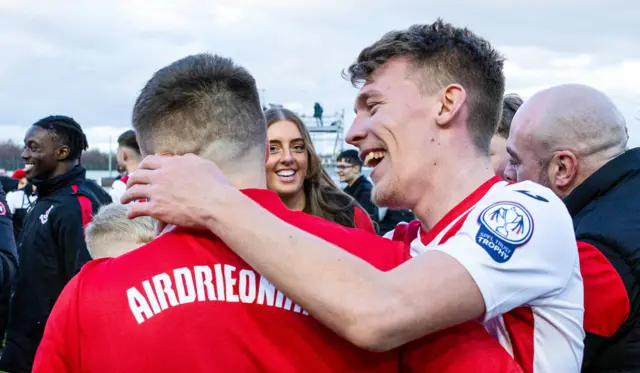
x: 62, y: 153
x: 452, y: 98
x: 564, y: 169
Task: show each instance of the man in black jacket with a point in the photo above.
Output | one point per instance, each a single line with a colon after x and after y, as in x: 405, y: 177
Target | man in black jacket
x: 52, y: 247
x: 8, y: 260
x: 349, y: 170
x: 572, y: 139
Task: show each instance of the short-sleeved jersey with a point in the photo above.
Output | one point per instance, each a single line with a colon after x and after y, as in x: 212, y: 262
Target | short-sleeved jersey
x: 517, y: 242
x: 186, y: 303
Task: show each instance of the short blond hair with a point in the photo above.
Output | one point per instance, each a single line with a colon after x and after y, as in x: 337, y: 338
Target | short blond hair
x: 111, y: 233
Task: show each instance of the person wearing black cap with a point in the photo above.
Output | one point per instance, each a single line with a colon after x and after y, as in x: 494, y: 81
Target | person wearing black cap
x: 52, y: 247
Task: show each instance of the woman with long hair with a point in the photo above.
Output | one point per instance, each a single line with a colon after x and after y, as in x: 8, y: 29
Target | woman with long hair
x: 295, y: 173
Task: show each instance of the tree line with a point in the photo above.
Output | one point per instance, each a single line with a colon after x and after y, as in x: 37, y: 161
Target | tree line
x: 11, y: 158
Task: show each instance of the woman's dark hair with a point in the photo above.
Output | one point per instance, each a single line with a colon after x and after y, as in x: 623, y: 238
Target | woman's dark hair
x: 323, y: 198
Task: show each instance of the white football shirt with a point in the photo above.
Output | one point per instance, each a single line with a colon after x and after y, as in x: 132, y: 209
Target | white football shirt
x: 518, y: 244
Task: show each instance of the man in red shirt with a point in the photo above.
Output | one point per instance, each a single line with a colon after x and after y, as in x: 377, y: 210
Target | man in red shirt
x: 185, y: 302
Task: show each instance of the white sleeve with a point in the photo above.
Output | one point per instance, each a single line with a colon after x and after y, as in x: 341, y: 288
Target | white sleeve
x: 518, y: 245
x: 117, y: 190
x: 11, y: 201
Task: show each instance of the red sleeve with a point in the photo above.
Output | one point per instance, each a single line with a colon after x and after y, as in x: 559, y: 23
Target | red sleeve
x: 362, y: 220
x: 463, y: 348
x: 59, y: 349
x: 606, y: 301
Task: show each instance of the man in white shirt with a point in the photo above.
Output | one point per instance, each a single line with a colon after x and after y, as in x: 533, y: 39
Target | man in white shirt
x: 484, y: 250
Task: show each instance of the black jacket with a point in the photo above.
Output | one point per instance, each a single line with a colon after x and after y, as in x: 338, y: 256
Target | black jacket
x: 606, y: 215
x: 8, y: 260
x: 360, y: 190
x: 9, y: 184
x: 393, y: 217
x: 51, y: 251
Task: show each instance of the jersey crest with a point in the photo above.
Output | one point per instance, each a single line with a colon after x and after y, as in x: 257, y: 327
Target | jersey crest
x: 504, y: 226
x: 3, y: 209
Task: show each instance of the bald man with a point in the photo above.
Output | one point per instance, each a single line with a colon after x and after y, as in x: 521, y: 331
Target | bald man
x: 572, y: 139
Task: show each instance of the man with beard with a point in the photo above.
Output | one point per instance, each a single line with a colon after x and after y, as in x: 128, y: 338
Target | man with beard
x: 572, y: 139
x: 52, y: 247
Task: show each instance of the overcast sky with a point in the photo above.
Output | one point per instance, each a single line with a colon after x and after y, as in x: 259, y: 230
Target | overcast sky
x: 88, y: 59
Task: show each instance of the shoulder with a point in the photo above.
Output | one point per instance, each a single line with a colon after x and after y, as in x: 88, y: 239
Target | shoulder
x: 612, y: 217
x: 64, y: 209
x: 531, y: 199
x: 366, y: 184
x: 519, y: 215
x: 341, y: 198
x: 93, y: 191
x: 119, y: 185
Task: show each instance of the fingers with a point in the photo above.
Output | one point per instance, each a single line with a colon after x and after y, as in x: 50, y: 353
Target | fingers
x: 140, y: 176
x: 136, y: 192
x: 139, y: 209
x: 152, y: 162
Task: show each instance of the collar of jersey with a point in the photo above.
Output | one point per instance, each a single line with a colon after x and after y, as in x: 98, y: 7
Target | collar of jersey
x: 427, y: 236
x: 264, y: 197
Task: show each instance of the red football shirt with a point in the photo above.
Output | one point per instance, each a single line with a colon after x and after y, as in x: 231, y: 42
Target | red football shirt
x: 186, y: 303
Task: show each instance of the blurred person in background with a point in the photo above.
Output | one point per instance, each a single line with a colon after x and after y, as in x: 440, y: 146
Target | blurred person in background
x: 295, y: 173
x: 128, y: 157
x: 349, y: 169
x: 8, y: 183
x: 20, y: 200
x: 573, y: 139
x: 52, y: 246
x: 498, y: 147
x: 317, y: 113
x: 111, y: 233
x: 8, y: 261
x: 21, y: 176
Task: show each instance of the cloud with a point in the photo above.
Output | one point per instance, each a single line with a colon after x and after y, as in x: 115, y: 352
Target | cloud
x: 89, y: 59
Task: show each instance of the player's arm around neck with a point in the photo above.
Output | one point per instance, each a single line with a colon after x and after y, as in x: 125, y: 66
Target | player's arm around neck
x: 373, y: 309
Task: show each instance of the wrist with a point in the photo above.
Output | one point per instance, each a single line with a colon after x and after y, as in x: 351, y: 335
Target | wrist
x: 226, y: 211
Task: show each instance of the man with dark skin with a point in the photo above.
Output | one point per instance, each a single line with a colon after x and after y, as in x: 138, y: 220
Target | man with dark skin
x: 52, y: 246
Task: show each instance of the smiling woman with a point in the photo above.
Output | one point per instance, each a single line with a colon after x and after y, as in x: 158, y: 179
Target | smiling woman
x: 295, y: 173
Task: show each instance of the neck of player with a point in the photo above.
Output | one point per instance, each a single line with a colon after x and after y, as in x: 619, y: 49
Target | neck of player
x: 246, y: 176
x: 449, y: 185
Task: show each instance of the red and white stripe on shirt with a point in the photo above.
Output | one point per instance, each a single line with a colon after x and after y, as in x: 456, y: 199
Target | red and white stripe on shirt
x: 518, y: 244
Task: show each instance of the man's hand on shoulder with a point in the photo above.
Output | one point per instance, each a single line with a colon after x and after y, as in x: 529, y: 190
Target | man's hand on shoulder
x: 187, y: 191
